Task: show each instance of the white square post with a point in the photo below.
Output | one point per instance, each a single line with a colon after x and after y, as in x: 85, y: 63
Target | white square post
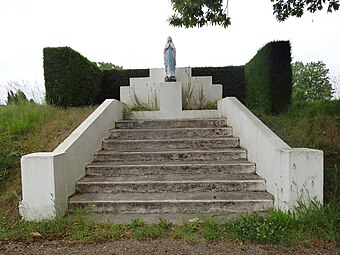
x: 171, y: 99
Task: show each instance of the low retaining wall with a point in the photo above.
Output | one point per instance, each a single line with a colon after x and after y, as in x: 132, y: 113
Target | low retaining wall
x: 291, y: 174
x: 48, y: 178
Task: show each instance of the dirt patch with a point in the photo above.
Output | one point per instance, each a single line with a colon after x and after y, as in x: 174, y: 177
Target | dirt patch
x: 159, y: 247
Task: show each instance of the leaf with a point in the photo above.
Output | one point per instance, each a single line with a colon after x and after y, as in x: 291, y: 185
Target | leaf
x: 36, y: 234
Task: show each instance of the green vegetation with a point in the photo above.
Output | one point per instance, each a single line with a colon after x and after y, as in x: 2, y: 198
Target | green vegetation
x: 108, y: 66
x: 268, y: 77
x: 263, y: 83
x: 313, y: 125
x: 306, y: 225
x: 70, y: 79
x: 25, y: 128
x: 215, y: 12
x: 305, y: 124
x: 311, y: 81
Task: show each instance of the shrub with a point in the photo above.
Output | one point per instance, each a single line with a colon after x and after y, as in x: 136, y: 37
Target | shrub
x: 268, y: 77
x: 70, y: 78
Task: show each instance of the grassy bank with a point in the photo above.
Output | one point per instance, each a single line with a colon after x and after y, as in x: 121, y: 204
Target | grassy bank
x: 24, y: 129
x: 29, y: 128
x: 313, y: 125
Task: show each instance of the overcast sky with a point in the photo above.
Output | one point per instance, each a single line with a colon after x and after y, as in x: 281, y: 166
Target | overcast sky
x: 133, y: 33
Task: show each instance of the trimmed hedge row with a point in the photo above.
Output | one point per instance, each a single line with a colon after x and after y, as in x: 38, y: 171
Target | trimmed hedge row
x: 264, y: 83
x: 70, y: 78
x: 268, y: 77
x: 231, y: 78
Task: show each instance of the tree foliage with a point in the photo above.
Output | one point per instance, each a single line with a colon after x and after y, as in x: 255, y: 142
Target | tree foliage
x: 192, y: 13
x: 286, y: 8
x: 108, y: 66
x: 311, y: 81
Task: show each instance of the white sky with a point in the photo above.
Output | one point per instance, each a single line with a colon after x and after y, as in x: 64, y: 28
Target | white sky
x: 133, y: 33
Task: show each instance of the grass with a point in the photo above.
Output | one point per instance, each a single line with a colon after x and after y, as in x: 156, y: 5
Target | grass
x: 308, y: 124
x: 26, y: 128
x: 305, y: 226
x: 313, y: 125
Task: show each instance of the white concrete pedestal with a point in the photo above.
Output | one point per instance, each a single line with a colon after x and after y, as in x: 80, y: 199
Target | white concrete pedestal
x: 171, y: 99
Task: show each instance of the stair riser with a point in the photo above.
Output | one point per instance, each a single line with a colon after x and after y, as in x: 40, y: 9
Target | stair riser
x: 171, y: 156
x: 171, y: 187
x: 173, y: 207
x: 170, y: 133
x: 193, y: 123
x: 169, y: 169
x: 134, y: 145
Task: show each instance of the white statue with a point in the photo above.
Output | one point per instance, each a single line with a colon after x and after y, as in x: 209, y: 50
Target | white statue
x: 170, y: 60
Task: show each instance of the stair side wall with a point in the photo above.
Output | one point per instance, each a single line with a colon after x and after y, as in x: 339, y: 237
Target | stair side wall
x: 291, y: 174
x: 49, y: 178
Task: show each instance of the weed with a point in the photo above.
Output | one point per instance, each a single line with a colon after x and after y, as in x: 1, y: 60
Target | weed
x: 127, y: 113
x: 319, y: 220
x: 187, y: 231
x: 139, y: 105
x: 187, y: 93
x: 211, y: 230
x: 260, y: 229
x: 140, y: 230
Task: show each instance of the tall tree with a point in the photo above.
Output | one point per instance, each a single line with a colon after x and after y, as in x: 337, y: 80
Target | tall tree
x: 198, y: 13
x: 311, y: 81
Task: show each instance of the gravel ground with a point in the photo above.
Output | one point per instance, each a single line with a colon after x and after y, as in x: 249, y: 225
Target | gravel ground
x: 158, y: 246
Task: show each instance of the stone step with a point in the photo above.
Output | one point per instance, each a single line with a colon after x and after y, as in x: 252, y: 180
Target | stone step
x: 166, y: 168
x: 170, y: 144
x: 170, y: 183
x: 178, y: 155
x: 161, y: 124
x: 168, y: 133
x: 172, y: 202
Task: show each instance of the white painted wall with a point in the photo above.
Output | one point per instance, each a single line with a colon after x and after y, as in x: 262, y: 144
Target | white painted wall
x: 147, y: 87
x: 291, y: 174
x: 171, y: 105
x: 48, y: 178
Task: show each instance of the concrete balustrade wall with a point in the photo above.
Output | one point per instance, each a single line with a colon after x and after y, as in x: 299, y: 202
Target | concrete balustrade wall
x: 291, y: 174
x: 48, y: 178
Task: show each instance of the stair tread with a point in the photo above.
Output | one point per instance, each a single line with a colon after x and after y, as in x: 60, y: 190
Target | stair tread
x: 166, y: 129
x: 177, y: 123
x: 204, y: 197
x: 168, y: 163
x: 173, y: 151
x: 170, y: 179
x: 171, y: 120
x: 173, y: 139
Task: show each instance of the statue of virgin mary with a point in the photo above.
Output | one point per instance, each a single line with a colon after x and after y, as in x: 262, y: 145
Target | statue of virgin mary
x: 170, y: 60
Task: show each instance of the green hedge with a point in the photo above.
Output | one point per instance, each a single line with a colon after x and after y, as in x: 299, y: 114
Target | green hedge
x: 268, y: 77
x: 70, y: 78
x: 231, y: 78
x: 264, y: 83
x: 113, y: 79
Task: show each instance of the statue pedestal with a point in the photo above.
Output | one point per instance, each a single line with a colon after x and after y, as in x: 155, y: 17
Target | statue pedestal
x: 171, y: 99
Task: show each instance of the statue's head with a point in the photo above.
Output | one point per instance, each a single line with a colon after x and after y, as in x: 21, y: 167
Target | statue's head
x: 169, y: 39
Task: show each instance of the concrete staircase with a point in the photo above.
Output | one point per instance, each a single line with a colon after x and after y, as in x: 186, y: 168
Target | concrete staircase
x: 171, y: 169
